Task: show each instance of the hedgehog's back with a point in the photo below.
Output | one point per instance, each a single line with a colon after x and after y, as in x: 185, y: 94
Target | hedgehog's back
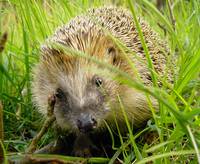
x: 119, y: 22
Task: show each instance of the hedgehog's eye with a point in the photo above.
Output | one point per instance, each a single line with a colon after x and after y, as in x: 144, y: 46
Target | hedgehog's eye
x: 59, y: 93
x: 98, y: 81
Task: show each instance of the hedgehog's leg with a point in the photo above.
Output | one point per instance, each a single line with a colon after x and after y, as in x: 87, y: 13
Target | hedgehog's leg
x: 60, y: 146
x: 83, y: 146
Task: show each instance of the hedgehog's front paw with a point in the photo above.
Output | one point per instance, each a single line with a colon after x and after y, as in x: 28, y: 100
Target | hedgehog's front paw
x: 85, y: 152
x: 83, y: 146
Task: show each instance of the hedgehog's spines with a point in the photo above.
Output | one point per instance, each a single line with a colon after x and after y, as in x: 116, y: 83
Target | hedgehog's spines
x: 90, y: 33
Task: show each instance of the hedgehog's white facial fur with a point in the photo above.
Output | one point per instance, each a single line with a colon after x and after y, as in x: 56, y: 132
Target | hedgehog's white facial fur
x: 72, y: 76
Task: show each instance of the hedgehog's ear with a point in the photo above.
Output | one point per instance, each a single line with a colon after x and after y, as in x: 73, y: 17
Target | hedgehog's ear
x: 112, y: 52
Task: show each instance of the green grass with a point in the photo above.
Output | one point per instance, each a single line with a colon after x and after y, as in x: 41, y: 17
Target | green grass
x: 29, y: 23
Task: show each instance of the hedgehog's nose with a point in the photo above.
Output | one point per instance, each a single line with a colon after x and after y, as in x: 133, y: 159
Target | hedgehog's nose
x: 86, y: 123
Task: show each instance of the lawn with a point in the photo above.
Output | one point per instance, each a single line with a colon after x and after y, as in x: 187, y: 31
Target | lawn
x: 26, y: 24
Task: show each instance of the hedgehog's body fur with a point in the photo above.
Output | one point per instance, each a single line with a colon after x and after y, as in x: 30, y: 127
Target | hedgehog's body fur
x: 71, y: 74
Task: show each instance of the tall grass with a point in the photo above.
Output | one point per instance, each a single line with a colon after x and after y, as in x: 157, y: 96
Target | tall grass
x: 29, y: 23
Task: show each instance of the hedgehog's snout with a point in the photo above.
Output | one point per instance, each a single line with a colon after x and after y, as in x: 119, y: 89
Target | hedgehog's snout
x: 86, y: 123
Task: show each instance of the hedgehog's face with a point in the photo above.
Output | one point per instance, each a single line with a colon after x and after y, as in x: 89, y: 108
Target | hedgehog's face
x: 84, y: 98
x: 83, y: 101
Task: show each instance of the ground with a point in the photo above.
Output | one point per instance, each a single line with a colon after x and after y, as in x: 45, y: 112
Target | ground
x: 29, y: 23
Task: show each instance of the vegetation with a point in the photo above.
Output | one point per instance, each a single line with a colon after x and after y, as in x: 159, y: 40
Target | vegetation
x: 29, y: 23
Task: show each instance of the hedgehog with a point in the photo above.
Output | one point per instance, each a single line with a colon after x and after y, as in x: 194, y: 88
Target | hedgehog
x: 86, y: 98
